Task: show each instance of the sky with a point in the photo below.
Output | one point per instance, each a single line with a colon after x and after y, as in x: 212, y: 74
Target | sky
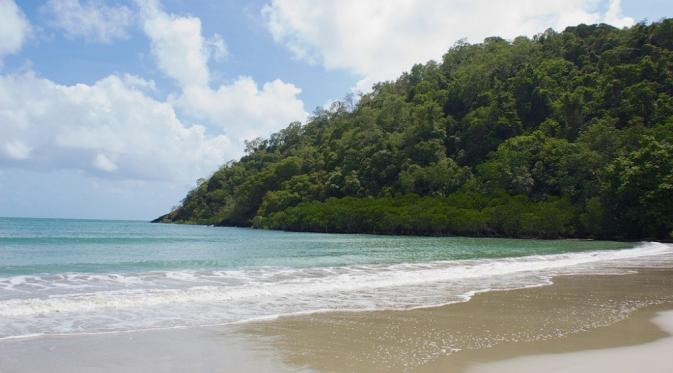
x: 113, y: 109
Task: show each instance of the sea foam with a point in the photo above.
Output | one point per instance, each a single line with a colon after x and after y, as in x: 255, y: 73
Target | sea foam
x: 105, y: 302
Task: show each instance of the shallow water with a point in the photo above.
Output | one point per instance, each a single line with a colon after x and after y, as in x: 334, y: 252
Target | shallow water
x: 85, y: 276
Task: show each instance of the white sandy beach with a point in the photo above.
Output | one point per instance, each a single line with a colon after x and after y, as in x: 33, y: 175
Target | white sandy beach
x: 595, y: 323
x: 579, y: 324
x: 654, y: 357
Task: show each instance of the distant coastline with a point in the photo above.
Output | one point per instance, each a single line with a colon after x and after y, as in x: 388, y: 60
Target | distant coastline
x: 416, y: 234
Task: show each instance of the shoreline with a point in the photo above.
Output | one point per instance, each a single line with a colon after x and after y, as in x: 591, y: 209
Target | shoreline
x: 493, y: 331
x: 395, y: 287
x: 399, y: 234
x: 493, y: 326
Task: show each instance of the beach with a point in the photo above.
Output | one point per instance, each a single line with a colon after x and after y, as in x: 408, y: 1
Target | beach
x: 109, y: 296
x: 576, y: 313
x: 647, y: 357
x: 182, y: 189
x: 579, y: 323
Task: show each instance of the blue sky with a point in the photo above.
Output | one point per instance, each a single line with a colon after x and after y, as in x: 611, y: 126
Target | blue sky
x: 112, y: 109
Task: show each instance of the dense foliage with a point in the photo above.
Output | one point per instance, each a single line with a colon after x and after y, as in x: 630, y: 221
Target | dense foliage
x: 564, y: 135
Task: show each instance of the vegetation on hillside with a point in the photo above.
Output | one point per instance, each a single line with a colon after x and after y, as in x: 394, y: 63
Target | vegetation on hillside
x: 564, y: 135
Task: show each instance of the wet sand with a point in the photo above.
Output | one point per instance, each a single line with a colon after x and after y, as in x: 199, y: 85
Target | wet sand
x: 649, y: 357
x: 592, y: 321
x: 576, y: 313
x: 207, y: 349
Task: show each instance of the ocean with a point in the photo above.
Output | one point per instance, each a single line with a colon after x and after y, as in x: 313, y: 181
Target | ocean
x: 62, y: 276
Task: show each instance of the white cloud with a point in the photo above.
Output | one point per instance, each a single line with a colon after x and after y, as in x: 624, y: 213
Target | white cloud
x: 240, y: 108
x: 216, y: 47
x: 614, y: 16
x: 110, y: 128
x: 17, y: 150
x: 137, y: 147
x: 91, y: 20
x: 14, y: 28
x: 103, y: 163
x: 177, y: 45
x: 114, y: 127
x: 378, y: 40
x: 139, y: 83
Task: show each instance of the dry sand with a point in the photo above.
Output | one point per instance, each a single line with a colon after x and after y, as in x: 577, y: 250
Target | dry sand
x: 649, y: 357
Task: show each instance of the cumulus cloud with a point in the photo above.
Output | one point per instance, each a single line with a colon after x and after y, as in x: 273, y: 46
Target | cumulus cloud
x: 110, y: 128
x: 243, y: 109
x: 14, y: 28
x: 177, y: 45
x: 115, y: 127
x: 380, y: 39
x: 91, y: 20
x: 614, y: 16
x: 240, y: 108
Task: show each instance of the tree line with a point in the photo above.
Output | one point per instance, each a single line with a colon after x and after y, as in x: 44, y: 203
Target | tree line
x: 564, y: 134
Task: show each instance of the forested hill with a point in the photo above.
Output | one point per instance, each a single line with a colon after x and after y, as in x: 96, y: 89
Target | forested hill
x: 564, y: 135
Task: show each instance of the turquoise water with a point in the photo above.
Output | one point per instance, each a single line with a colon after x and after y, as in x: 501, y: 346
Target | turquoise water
x: 88, y: 276
x: 32, y: 246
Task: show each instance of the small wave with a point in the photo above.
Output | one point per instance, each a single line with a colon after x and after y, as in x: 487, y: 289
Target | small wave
x: 81, y: 302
